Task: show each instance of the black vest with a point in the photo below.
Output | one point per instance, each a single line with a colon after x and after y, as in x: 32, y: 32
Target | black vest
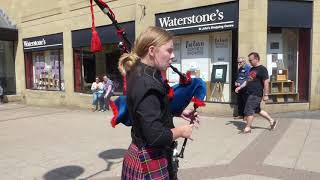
x: 140, y: 80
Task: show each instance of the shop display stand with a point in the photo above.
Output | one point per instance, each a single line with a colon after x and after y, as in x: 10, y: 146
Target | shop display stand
x: 283, y: 91
x: 217, y: 92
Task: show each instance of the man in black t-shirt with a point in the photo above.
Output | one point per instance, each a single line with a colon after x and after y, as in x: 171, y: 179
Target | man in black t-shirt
x: 257, y: 90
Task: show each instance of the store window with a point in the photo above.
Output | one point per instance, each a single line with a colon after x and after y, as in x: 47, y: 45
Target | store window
x: 7, y: 67
x: 44, y: 70
x: 288, y: 61
x: 207, y: 56
x: 89, y: 65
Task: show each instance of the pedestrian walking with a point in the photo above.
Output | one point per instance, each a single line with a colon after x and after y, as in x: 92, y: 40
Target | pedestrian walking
x: 257, y: 87
x: 243, y: 75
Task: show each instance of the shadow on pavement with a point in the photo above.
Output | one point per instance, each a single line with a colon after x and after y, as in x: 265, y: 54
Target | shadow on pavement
x: 256, y: 127
x: 238, y: 124
x: 111, y: 154
x: 64, y: 173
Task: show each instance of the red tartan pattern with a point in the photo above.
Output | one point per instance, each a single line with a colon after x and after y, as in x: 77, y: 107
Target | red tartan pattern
x: 144, y: 164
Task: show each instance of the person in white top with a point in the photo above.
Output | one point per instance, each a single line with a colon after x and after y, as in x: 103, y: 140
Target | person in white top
x: 97, y: 92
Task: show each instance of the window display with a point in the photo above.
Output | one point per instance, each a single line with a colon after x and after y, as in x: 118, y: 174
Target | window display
x: 44, y: 70
x: 87, y: 66
x: 199, y: 54
x: 283, y: 46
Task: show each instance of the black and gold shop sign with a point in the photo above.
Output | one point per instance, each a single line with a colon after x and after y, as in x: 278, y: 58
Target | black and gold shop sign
x: 40, y: 43
x: 202, y: 19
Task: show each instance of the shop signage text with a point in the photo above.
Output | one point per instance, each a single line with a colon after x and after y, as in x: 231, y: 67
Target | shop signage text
x: 166, y: 22
x: 53, y: 41
x: 202, y: 19
x: 34, y: 43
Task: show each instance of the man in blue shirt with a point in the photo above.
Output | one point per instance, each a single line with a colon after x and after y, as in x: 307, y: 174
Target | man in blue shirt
x: 243, y: 75
x: 108, y: 92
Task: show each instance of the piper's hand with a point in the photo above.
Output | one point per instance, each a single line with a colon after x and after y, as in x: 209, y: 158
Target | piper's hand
x: 189, y: 114
x: 186, y: 131
x: 265, y: 98
x: 237, y: 89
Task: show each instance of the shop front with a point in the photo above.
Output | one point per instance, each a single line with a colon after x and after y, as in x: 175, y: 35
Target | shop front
x: 8, y: 40
x: 43, y: 56
x: 208, y: 37
x: 288, y: 50
x: 88, y: 66
x: 205, y: 44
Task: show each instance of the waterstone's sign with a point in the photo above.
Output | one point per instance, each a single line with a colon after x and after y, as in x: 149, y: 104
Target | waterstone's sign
x: 43, y: 42
x: 34, y: 43
x: 203, y: 19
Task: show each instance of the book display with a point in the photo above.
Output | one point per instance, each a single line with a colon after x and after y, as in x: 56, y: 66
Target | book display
x: 281, y: 89
x: 46, y: 71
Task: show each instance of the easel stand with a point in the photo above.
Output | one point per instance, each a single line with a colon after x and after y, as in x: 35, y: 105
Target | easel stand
x: 217, y: 92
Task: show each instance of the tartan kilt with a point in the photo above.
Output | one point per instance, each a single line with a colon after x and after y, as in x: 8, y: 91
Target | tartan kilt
x: 144, y: 164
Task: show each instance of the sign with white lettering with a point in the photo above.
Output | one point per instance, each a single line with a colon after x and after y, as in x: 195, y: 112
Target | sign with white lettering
x: 54, y: 41
x: 203, y: 19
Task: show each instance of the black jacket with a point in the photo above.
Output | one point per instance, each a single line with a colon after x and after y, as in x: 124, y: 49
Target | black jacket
x: 148, y: 107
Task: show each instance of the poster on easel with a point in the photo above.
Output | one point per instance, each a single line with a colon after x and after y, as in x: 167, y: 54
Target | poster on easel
x: 219, y: 74
x: 218, y: 80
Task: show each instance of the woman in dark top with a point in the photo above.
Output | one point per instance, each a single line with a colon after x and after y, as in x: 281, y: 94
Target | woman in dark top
x: 153, y: 132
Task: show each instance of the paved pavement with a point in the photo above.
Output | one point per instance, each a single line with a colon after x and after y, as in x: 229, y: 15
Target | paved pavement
x: 61, y: 143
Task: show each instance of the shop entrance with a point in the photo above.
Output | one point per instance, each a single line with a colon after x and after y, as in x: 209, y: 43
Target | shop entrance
x: 8, y: 38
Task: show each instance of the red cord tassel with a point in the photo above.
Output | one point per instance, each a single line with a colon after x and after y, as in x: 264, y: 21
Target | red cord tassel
x: 115, y: 113
x: 198, y: 102
x: 95, y: 42
x: 95, y: 39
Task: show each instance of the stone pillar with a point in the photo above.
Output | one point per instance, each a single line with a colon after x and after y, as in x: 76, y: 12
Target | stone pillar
x: 253, y: 28
x: 315, y: 56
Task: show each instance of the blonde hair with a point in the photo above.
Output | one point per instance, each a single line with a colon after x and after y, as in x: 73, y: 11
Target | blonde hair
x: 152, y: 36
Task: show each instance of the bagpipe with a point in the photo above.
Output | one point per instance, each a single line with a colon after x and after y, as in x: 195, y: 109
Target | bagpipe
x: 180, y: 95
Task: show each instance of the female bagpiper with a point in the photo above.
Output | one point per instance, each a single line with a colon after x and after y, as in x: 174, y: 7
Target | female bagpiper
x: 153, y: 132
